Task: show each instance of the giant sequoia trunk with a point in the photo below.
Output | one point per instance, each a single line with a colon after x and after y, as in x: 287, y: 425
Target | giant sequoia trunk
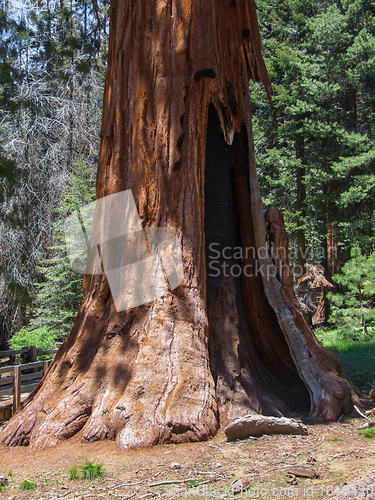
x: 177, y: 131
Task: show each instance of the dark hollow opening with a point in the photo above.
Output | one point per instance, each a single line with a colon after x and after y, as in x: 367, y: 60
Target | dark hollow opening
x: 250, y: 359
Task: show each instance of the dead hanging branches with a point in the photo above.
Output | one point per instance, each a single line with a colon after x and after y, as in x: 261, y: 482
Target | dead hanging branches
x: 35, y: 139
x: 311, y: 292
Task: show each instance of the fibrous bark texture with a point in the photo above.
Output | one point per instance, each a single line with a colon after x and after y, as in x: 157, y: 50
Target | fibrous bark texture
x: 177, y: 131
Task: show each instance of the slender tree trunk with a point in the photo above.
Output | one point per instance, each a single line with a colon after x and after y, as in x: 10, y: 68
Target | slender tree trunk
x: 332, y: 265
x: 301, y: 200
x: 176, y: 130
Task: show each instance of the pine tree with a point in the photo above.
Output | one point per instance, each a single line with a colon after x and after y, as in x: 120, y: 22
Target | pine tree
x: 315, y: 147
x: 353, y: 310
x: 58, y: 296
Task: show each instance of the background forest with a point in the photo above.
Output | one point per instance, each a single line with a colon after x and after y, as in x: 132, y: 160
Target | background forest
x: 315, y: 151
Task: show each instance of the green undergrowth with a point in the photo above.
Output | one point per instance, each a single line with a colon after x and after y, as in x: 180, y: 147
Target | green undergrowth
x: 356, y: 357
x: 73, y: 473
x: 27, y: 485
x: 87, y: 471
x: 367, y: 433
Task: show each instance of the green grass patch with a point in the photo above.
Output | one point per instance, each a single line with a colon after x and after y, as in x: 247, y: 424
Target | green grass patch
x: 27, y: 485
x: 92, y: 471
x: 368, y: 433
x: 73, y: 473
x: 357, y: 358
x: 334, y: 440
x: 86, y: 471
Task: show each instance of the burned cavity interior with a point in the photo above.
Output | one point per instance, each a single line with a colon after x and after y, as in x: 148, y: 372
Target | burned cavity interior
x: 250, y: 359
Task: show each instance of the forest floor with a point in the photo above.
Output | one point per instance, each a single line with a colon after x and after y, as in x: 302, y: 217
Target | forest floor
x: 209, y: 470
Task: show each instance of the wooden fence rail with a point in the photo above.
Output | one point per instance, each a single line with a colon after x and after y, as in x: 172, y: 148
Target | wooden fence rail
x: 28, y: 352
x: 13, y: 383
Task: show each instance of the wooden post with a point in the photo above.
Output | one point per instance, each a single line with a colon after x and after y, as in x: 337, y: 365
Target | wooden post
x: 16, y: 388
x: 45, y: 367
x: 32, y: 357
x: 24, y: 358
x: 32, y: 354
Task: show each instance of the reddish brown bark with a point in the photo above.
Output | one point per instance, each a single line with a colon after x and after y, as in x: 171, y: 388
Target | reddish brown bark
x: 320, y: 317
x: 301, y: 207
x: 177, y: 132
x: 332, y: 265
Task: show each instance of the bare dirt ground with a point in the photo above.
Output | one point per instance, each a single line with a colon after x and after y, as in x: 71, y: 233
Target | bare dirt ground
x: 210, y: 470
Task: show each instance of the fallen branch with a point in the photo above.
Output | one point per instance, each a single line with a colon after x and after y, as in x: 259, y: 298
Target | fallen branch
x: 371, y: 422
x: 131, y: 496
x: 208, y: 473
x: 123, y: 485
x: 269, y: 470
x: 158, y: 473
x: 141, y: 468
x: 166, y: 482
